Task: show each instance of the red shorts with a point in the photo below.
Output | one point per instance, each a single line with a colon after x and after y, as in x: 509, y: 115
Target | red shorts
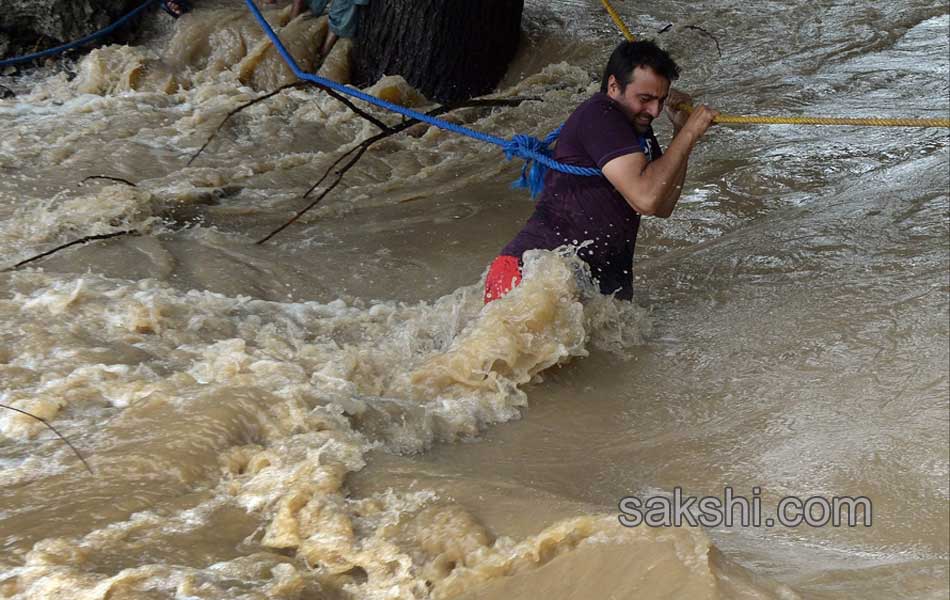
x: 504, y: 274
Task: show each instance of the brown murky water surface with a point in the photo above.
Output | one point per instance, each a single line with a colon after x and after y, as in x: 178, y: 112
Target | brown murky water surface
x: 334, y: 414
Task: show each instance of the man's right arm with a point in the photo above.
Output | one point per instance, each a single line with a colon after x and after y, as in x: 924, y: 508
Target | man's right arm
x: 652, y: 188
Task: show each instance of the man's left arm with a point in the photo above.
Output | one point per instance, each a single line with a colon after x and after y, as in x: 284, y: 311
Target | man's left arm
x: 678, y: 118
x: 669, y: 203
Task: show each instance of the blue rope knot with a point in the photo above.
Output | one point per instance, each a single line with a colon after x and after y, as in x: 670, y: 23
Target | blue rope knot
x: 528, y: 148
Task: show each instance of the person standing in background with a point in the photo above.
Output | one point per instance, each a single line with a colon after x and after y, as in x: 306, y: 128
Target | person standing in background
x: 343, y: 14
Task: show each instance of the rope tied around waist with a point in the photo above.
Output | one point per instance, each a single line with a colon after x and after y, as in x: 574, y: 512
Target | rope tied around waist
x: 529, y: 148
x: 532, y: 172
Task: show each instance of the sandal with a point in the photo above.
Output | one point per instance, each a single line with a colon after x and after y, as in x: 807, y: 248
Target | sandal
x: 175, y: 8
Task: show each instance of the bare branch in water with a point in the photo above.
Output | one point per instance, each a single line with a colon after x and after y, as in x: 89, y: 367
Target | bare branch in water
x: 699, y: 29
x: 88, y: 238
x: 707, y: 34
x: 236, y: 111
x: 53, y: 429
x: 360, y: 150
x: 349, y: 104
x: 346, y: 101
x: 365, y: 144
x: 108, y: 178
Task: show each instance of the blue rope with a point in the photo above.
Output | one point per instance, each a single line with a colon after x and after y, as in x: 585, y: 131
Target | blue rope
x: 60, y: 49
x: 534, y: 152
x: 532, y: 173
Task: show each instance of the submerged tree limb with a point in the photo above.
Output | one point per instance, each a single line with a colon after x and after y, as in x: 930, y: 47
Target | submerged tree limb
x: 361, y: 148
x: 84, y: 240
x: 53, y: 429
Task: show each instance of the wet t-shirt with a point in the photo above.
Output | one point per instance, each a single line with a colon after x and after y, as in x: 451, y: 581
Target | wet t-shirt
x: 575, y: 208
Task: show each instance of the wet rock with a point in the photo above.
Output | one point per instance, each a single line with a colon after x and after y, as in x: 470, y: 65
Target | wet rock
x: 29, y: 25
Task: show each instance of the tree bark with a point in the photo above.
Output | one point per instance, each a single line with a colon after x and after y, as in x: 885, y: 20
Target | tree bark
x: 450, y: 50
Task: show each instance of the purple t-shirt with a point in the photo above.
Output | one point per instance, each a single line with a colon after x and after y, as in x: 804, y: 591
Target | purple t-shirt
x: 574, y: 208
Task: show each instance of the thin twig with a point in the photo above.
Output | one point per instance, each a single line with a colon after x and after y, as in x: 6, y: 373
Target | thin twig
x: 665, y: 29
x: 234, y: 112
x: 107, y: 177
x: 38, y: 42
x: 88, y: 238
x: 361, y: 148
x: 335, y: 163
x: 707, y: 34
x: 346, y: 101
x: 349, y: 104
x: 53, y: 429
x: 407, y: 123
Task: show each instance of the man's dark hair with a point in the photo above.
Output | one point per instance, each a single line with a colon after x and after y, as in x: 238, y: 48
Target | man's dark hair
x: 629, y: 55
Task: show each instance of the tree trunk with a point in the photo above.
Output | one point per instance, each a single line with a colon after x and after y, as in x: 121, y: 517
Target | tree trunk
x: 449, y: 50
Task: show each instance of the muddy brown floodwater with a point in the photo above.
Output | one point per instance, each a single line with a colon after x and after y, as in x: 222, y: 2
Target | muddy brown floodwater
x: 335, y: 415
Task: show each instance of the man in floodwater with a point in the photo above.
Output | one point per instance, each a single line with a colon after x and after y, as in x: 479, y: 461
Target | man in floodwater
x: 343, y: 18
x: 611, y: 131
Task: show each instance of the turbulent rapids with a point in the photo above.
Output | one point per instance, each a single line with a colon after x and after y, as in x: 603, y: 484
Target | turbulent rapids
x: 335, y: 414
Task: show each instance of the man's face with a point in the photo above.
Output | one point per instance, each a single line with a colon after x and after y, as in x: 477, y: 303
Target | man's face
x: 642, y: 100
